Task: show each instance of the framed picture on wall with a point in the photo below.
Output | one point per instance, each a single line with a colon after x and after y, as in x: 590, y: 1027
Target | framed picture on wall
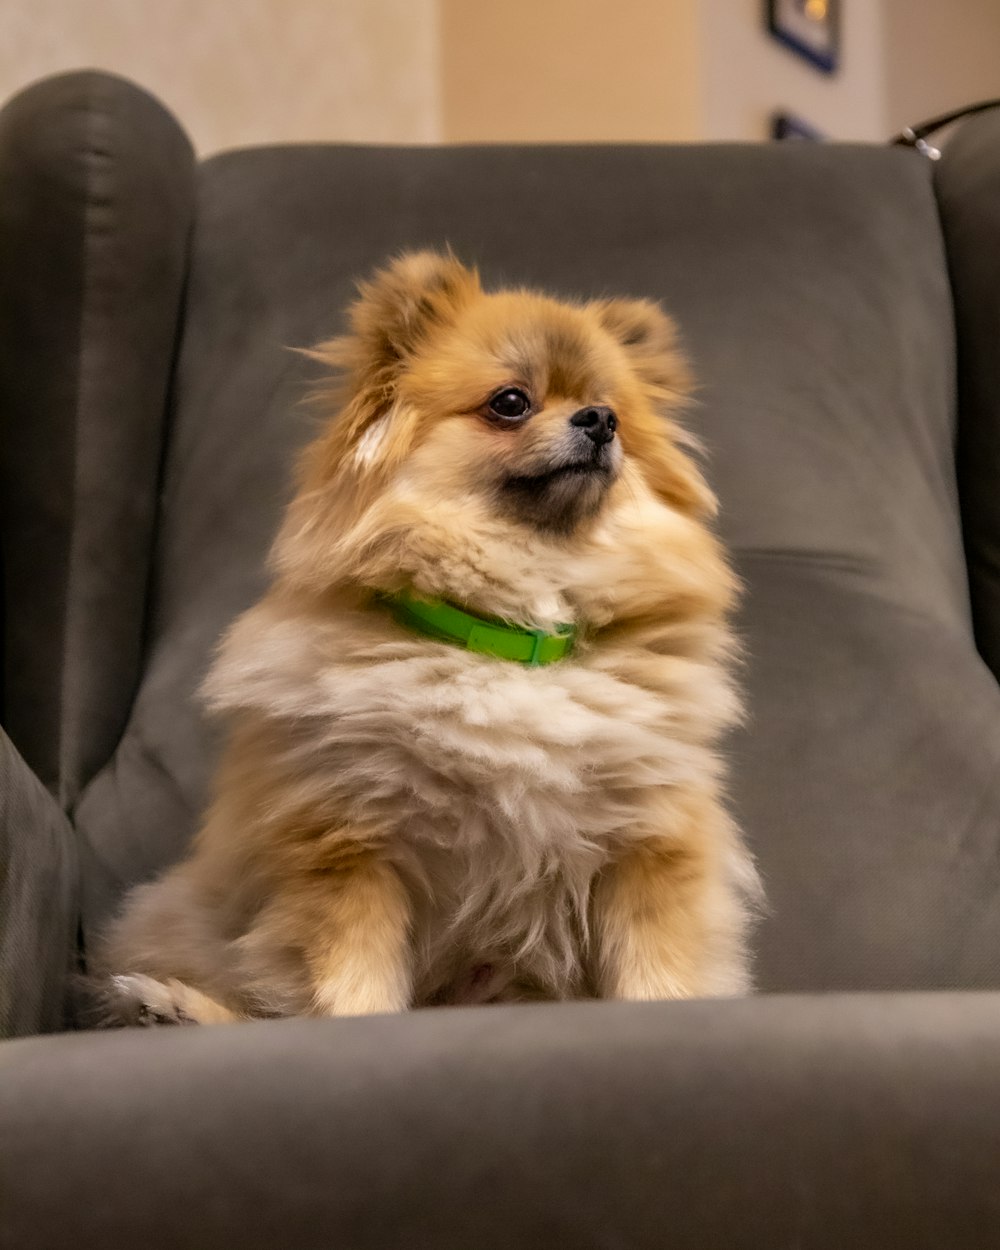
x: 810, y: 28
x: 788, y: 126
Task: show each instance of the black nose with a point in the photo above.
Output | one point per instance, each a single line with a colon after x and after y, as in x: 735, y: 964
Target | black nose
x: 598, y: 423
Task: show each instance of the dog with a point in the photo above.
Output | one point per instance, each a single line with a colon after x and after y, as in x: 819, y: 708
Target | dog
x: 473, y: 724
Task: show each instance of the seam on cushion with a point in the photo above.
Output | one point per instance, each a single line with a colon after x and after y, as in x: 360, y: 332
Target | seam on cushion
x: 822, y: 559
x: 960, y: 418
x: 945, y: 260
x: 95, y: 157
x: 146, y: 754
x: 870, y: 571
x: 146, y: 624
x: 956, y: 411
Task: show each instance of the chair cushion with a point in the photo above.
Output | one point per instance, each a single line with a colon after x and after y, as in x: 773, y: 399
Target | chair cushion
x: 98, y: 194
x: 867, y: 1122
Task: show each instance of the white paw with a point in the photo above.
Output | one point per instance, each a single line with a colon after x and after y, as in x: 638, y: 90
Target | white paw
x: 142, y: 1000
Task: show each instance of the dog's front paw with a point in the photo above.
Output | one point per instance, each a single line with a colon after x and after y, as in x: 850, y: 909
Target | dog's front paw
x: 658, y: 983
x: 144, y: 1002
x: 650, y: 984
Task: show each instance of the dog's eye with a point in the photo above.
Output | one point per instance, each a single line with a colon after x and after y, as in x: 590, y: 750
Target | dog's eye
x: 510, y: 404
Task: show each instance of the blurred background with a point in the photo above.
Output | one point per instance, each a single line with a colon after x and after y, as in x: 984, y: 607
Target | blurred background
x: 430, y: 71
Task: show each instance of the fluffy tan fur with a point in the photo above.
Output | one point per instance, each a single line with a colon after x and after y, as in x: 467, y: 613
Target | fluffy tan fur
x: 400, y: 822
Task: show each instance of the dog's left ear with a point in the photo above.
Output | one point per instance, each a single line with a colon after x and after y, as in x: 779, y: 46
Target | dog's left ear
x: 649, y: 339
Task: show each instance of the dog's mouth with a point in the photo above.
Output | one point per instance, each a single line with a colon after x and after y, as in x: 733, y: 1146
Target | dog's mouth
x: 598, y: 461
x: 560, y: 497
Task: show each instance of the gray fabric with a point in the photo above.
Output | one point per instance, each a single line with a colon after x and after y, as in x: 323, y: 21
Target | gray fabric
x: 871, y: 1123
x: 812, y: 290
x: 870, y: 776
x: 94, y: 221
x: 39, y: 900
x: 967, y: 181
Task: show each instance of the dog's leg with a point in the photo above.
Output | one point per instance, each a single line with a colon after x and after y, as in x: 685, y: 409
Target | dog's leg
x: 669, y: 917
x: 359, y: 957
x: 136, y: 999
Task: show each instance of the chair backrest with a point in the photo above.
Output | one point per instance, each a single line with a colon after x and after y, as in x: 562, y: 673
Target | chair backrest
x: 812, y: 289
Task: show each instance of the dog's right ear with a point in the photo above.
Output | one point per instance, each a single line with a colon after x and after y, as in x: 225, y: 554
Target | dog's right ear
x: 405, y: 302
x: 397, y: 309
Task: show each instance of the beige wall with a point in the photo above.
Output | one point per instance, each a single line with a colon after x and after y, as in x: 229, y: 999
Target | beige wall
x: 570, y: 70
x: 246, y: 71
x: 747, y: 74
x: 257, y: 71
x: 940, y: 56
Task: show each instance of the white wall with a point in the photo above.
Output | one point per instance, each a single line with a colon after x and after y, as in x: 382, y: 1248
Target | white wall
x: 257, y: 71
x: 247, y: 71
x: 746, y: 74
x: 939, y: 57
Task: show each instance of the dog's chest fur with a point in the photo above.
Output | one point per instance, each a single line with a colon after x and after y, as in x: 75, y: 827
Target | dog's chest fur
x: 499, y: 791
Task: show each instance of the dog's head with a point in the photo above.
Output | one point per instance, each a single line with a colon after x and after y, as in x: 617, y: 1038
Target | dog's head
x: 536, y: 413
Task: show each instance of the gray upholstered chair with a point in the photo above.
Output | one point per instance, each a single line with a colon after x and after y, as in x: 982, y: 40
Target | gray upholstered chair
x: 842, y: 308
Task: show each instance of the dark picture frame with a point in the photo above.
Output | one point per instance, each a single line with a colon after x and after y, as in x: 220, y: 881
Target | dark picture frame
x: 810, y: 28
x: 787, y: 126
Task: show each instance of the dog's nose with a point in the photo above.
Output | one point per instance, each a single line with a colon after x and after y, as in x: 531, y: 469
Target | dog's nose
x: 598, y: 423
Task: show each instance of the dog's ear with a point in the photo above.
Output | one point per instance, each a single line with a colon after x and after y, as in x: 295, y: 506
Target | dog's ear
x: 397, y: 309
x: 649, y: 339
x: 400, y: 305
x: 656, y: 445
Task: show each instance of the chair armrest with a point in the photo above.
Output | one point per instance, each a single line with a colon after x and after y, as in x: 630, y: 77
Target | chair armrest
x: 95, y: 216
x: 38, y: 900
x: 867, y: 1121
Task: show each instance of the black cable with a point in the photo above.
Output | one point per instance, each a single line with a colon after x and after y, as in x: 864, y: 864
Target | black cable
x: 914, y: 136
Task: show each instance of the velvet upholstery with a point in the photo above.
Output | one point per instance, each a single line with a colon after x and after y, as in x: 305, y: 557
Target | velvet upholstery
x: 39, y: 901
x: 967, y: 181
x: 98, y: 189
x: 866, y: 1121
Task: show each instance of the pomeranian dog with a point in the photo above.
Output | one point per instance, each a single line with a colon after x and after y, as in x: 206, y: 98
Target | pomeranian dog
x: 473, y: 723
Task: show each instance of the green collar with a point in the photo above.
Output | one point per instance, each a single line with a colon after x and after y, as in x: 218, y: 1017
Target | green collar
x: 487, y: 635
